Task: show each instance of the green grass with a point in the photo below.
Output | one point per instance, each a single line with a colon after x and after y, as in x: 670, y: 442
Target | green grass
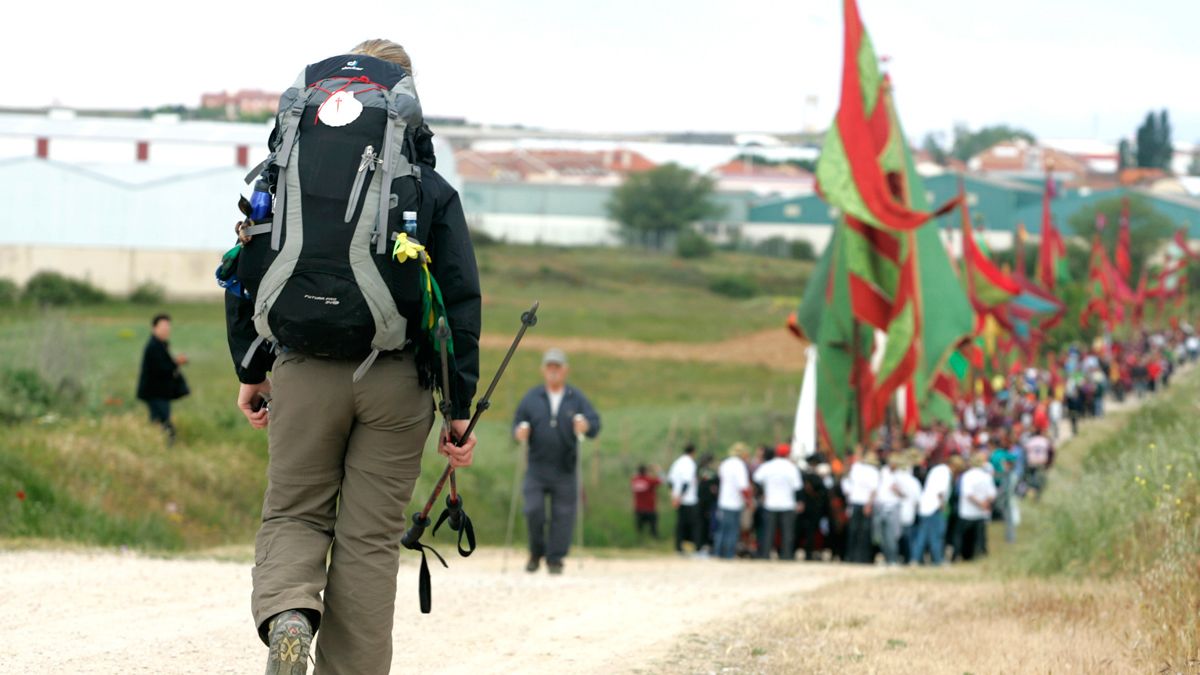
x: 623, y: 293
x: 95, y: 471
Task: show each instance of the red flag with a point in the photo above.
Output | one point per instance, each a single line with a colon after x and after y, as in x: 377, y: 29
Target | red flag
x: 1182, y: 242
x: 1099, y: 282
x: 1052, y: 248
x: 1121, y: 255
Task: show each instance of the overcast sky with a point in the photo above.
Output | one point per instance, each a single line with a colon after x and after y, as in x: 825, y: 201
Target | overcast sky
x: 1061, y: 68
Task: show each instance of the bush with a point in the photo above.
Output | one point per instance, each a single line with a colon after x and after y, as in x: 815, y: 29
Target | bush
x: 481, y: 239
x: 148, y: 293
x: 734, y: 287
x: 802, y: 249
x: 24, y: 394
x: 54, y: 289
x: 693, y: 245
x: 775, y: 247
x: 10, y: 293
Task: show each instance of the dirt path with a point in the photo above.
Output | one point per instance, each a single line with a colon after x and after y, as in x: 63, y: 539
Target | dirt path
x: 776, y: 348
x: 123, y: 613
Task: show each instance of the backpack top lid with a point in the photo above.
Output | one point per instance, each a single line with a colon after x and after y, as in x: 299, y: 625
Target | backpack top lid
x: 375, y: 69
x: 386, y: 74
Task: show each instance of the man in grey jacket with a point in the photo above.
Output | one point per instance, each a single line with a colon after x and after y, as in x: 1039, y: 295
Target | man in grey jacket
x: 549, y: 418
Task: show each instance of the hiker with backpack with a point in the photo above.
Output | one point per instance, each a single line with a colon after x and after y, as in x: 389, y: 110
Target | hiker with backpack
x: 336, y: 293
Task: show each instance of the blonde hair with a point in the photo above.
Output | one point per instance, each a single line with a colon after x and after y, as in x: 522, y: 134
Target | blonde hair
x: 386, y: 50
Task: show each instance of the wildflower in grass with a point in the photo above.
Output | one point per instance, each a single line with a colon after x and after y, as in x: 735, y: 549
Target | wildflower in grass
x: 21, y: 495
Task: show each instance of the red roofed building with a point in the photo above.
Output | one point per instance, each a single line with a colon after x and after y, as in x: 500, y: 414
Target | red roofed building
x: 550, y: 166
x: 784, y: 180
x: 1022, y: 159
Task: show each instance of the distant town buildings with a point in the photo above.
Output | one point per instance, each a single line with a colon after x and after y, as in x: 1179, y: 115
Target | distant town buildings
x: 127, y: 198
x: 574, y: 167
x: 242, y: 104
x: 763, y: 179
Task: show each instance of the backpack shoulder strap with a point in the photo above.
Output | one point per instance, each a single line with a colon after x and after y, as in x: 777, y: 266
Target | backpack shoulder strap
x: 402, y: 110
x: 289, y: 127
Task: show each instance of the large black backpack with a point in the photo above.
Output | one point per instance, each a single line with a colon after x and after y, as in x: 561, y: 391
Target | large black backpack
x: 345, y: 172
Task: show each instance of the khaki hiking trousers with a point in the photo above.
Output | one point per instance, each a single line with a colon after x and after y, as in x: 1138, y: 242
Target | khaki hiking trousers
x: 344, y: 458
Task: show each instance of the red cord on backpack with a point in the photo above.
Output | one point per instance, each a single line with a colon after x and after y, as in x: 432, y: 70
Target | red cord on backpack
x: 361, y: 79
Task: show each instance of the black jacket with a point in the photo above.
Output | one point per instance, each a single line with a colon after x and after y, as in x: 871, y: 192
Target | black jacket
x: 160, y: 377
x: 552, y: 446
x: 456, y: 273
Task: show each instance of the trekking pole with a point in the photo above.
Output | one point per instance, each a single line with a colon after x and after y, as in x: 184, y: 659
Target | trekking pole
x: 453, y: 513
x: 579, y: 493
x: 420, y: 520
x: 523, y: 450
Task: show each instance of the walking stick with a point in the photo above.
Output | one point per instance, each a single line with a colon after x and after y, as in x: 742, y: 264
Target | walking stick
x: 454, y: 513
x: 579, y: 493
x: 523, y: 451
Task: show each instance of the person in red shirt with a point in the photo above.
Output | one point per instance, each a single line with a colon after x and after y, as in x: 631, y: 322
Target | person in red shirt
x: 645, y: 499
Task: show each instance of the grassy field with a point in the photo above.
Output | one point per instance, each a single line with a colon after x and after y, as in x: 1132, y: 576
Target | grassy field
x: 91, y: 469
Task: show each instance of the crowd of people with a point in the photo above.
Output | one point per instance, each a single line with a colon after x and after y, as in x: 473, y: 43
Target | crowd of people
x: 926, y: 498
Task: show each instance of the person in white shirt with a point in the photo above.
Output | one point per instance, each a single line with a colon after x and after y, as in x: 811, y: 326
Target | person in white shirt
x: 911, y: 487
x: 977, y: 492
x: 780, y: 480
x: 734, y: 480
x: 1039, y: 455
x: 685, y: 497
x: 859, y: 485
x: 930, y: 530
x: 886, y: 517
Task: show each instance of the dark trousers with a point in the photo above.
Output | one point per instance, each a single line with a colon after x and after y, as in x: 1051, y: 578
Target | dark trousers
x: 560, y: 490
x: 687, y: 525
x: 807, y: 529
x: 858, y: 537
x: 785, y: 523
x: 646, y: 520
x: 707, y: 532
x: 974, y: 538
x: 160, y: 413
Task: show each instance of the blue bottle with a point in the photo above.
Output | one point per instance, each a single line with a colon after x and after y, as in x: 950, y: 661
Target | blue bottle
x: 260, y: 201
x: 410, y: 223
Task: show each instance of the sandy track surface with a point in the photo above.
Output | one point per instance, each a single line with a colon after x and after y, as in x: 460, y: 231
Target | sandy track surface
x: 776, y: 348
x: 123, y: 613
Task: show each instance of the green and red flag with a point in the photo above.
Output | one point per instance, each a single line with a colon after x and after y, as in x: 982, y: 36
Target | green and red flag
x: 844, y: 347
x: 885, y: 256
x: 850, y: 174
x: 988, y: 287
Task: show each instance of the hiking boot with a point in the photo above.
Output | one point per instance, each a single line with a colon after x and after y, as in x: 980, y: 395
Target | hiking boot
x: 532, y: 565
x: 290, y: 635
x: 555, y: 568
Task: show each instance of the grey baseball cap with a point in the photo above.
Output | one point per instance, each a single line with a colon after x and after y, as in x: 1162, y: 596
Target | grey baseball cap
x: 554, y: 355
